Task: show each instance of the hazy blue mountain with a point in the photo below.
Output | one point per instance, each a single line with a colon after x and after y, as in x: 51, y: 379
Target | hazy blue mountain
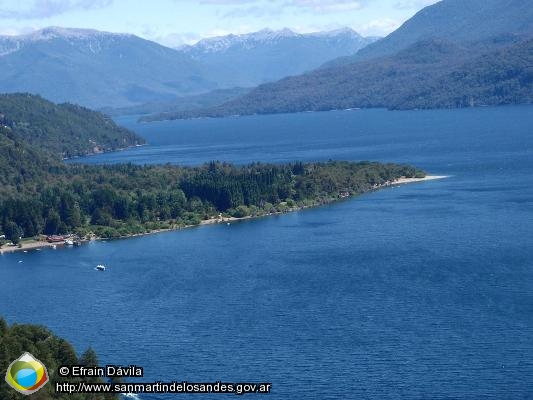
x: 251, y: 59
x: 96, y: 68
x: 429, y: 74
x: 454, y: 20
x: 100, y: 69
x: 452, y: 54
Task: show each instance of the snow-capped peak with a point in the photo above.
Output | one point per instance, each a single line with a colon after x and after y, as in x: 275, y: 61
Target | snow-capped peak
x: 91, y: 37
x: 222, y: 43
x: 55, y: 32
x: 269, y: 34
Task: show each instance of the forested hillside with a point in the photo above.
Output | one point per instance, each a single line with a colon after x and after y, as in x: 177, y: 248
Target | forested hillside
x: 67, y: 130
x: 429, y: 74
x: 52, y: 351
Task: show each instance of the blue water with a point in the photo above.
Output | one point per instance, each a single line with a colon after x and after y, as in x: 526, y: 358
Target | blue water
x: 420, y: 292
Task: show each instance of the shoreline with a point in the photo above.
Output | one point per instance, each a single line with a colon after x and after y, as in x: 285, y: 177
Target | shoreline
x: 35, y: 245
x: 39, y: 244
x: 99, y: 153
x: 403, y: 181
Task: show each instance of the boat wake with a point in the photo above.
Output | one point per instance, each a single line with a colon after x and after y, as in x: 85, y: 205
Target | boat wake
x: 130, y: 396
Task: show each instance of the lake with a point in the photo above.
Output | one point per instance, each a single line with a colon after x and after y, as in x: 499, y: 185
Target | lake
x: 423, y: 291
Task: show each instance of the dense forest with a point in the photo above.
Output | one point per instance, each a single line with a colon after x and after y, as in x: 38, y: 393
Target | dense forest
x: 52, y: 351
x: 39, y: 194
x: 433, y: 73
x: 67, y: 130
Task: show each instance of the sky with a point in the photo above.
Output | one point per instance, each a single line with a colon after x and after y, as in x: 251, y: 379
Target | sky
x: 177, y: 22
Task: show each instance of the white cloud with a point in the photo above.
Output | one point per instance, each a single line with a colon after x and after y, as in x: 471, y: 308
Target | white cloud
x: 51, y: 8
x: 414, y: 4
x: 327, y: 5
x: 227, y: 2
x: 189, y: 38
x: 15, y: 31
x: 379, y: 27
x: 177, y: 39
x: 258, y: 11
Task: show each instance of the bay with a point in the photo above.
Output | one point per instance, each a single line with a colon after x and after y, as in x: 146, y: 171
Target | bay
x: 421, y: 291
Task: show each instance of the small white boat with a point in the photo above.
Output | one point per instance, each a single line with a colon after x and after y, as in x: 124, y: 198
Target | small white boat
x: 69, y: 242
x: 100, y: 267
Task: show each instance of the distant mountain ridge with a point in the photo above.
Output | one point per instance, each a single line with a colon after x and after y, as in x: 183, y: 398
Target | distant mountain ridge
x: 97, y: 68
x: 220, y: 44
x: 223, y: 43
x: 101, y: 69
x: 259, y: 57
x: 430, y: 74
x: 12, y: 44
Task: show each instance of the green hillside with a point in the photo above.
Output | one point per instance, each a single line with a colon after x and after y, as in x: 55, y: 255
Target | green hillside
x: 67, y: 130
x: 52, y: 351
x: 22, y: 166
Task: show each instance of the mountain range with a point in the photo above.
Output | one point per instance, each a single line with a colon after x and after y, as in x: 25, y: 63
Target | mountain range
x: 100, y: 69
x: 95, y: 68
x: 267, y: 55
x: 456, y: 53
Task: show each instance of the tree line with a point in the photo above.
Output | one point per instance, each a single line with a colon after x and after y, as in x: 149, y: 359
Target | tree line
x: 120, y: 200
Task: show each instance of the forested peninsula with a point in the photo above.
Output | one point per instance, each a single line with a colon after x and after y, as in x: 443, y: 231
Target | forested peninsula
x: 41, y: 195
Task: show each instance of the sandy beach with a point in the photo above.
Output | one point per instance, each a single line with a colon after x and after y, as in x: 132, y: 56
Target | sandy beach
x: 402, y: 181
x: 35, y: 245
x: 28, y: 245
